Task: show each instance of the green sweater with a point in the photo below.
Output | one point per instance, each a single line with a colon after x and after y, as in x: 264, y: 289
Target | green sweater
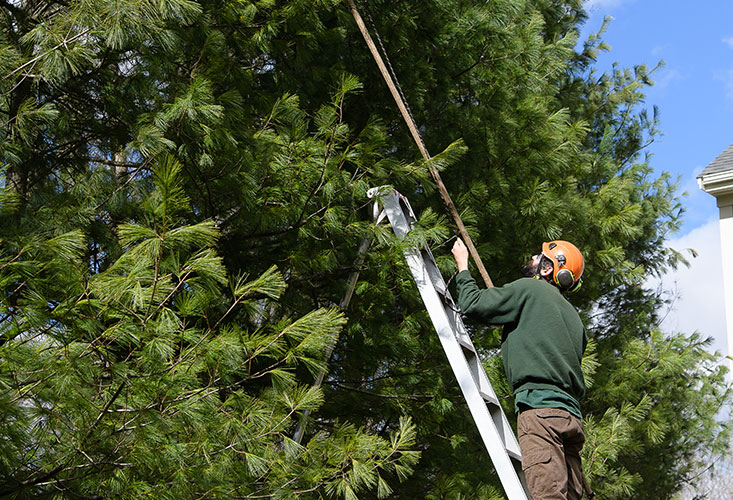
x: 543, y: 339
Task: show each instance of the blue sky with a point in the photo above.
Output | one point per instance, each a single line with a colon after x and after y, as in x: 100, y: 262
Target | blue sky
x: 694, y: 93
x: 694, y: 88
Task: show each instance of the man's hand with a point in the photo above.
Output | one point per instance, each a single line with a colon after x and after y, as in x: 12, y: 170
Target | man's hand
x: 460, y: 253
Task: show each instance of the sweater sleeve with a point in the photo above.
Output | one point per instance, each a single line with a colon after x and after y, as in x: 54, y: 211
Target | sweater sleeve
x: 493, y: 305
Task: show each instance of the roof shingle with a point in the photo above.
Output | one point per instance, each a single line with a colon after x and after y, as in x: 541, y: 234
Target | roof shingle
x: 723, y: 163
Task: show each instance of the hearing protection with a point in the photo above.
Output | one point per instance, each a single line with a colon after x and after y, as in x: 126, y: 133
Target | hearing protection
x: 568, y: 264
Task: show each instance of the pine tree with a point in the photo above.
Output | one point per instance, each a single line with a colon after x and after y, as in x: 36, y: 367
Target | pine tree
x: 184, y: 199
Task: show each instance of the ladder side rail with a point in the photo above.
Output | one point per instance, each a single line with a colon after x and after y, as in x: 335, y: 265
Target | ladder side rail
x: 497, y: 435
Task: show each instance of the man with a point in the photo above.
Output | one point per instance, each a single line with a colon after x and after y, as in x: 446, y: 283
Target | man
x: 542, y: 345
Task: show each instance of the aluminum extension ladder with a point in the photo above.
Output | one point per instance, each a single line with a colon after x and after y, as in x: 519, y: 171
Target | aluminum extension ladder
x: 497, y: 434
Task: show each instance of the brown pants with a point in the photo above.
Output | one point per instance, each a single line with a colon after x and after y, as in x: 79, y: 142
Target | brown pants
x: 551, y: 440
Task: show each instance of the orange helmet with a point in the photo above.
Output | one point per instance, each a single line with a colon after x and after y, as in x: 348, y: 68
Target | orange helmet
x: 568, y: 263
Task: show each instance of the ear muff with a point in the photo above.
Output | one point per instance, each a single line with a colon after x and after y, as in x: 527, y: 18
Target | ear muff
x: 565, y: 279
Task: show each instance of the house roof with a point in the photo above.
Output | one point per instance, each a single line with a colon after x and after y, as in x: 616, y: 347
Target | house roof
x: 723, y: 163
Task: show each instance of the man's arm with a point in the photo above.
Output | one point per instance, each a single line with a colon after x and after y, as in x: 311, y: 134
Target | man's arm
x: 494, y: 305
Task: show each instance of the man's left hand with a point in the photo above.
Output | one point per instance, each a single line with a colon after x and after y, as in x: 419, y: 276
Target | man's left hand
x: 460, y: 253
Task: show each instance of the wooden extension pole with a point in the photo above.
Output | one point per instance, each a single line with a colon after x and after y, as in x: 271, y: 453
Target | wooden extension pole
x: 421, y: 146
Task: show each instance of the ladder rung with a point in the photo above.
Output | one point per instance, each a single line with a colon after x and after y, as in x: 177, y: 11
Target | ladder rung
x: 489, y: 398
x: 514, y: 456
x: 466, y: 343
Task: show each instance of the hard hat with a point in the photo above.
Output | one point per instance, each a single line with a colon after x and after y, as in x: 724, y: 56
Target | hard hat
x: 568, y: 263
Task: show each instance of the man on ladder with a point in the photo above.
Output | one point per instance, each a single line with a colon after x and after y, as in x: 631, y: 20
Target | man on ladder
x: 542, y: 345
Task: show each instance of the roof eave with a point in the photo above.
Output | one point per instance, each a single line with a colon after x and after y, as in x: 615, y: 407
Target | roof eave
x: 717, y: 184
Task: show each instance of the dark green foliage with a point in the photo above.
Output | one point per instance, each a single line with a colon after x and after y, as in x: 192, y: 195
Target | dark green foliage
x: 184, y: 194
x: 162, y: 376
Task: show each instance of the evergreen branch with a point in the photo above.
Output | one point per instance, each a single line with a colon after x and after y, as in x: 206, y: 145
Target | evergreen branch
x: 32, y: 481
x: 262, y: 372
x: 287, y: 229
x: 156, y: 278
x: 130, y: 178
x: 59, y: 483
x: 104, y: 410
x: 199, y: 394
x: 300, y: 221
x: 14, y: 259
x: 392, y: 376
x: 411, y: 397
x: 113, y: 163
x: 194, y: 348
x: 301, y: 491
x: 469, y: 68
x: 273, y: 431
x: 22, y: 394
x: 181, y: 282
x: 169, y: 402
x: 42, y: 55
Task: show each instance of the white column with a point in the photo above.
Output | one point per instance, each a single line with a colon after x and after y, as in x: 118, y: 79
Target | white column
x: 725, y: 204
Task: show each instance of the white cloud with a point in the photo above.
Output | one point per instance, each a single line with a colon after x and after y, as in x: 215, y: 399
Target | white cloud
x: 698, y: 290
x: 667, y: 77
x: 657, y: 50
x: 728, y: 40
x: 727, y: 78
